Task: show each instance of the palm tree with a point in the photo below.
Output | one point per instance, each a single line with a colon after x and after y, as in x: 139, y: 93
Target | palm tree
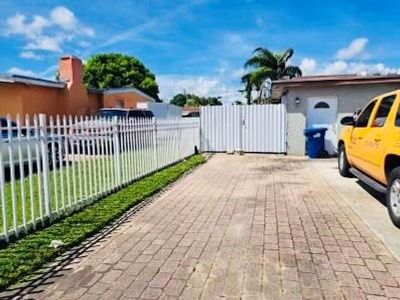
x: 248, y: 88
x: 267, y: 65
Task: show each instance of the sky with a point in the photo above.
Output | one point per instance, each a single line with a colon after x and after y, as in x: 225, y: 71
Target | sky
x: 200, y: 46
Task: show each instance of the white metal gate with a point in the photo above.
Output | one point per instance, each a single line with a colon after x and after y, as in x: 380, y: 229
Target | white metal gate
x: 252, y: 128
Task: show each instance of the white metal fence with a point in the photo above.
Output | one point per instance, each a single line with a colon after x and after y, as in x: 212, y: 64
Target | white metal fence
x: 252, y: 128
x: 51, y: 167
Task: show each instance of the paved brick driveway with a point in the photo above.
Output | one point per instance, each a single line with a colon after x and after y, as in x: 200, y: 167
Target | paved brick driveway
x: 249, y: 227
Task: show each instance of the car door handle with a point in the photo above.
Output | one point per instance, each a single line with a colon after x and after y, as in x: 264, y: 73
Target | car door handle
x: 377, y: 139
x: 360, y: 137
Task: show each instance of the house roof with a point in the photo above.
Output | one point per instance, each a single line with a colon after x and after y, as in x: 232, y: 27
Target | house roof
x: 121, y: 91
x: 31, y: 81
x: 95, y: 91
x: 347, y: 79
x: 5, y: 78
x: 127, y: 90
x: 188, y: 108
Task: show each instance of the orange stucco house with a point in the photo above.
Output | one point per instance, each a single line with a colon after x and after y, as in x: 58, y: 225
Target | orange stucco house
x: 69, y: 96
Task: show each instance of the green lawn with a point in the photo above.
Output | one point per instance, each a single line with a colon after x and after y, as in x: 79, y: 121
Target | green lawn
x: 28, y: 254
x: 75, y: 185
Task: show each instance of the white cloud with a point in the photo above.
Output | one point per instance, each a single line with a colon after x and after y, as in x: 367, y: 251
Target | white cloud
x: 343, y: 63
x: 212, y: 86
x: 87, y: 31
x: 47, y: 33
x: 47, y: 73
x: 342, y: 67
x: 355, y: 48
x: 308, y: 66
x: 380, y: 68
x: 63, y: 17
x: 50, y: 72
x: 66, y: 19
x: 17, y: 25
x: 132, y: 33
x: 336, y: 67
x: 30, y: 55
x: 48, y: 43
x: 24, y: 72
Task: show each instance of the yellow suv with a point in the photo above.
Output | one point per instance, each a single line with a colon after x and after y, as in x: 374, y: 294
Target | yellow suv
x: 369, y: 148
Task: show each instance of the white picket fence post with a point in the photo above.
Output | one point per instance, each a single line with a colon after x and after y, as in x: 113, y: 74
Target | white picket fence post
x: 154, y: 135
x: 2, y: 191
x: 117, y: 150
x: 45, y: 163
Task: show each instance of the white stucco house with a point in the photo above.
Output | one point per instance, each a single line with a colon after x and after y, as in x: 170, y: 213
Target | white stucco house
x: 321, y: 101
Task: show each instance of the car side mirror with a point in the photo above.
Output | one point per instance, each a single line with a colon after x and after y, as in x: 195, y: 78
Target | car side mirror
x: 348, y: 121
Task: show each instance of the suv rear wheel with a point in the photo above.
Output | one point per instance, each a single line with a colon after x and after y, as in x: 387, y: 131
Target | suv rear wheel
x: 343, y: 163
x: 393, y: 196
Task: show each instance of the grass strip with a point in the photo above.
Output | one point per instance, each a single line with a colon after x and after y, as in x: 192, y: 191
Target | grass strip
x: 63, y: 195
x: 29, y: 254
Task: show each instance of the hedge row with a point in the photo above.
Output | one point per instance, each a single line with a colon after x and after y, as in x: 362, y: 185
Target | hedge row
x: 29, y: 254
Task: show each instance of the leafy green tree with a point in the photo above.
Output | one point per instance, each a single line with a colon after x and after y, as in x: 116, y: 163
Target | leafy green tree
x: 267, y: 66
x: 212, y: 101
x: 194, y: 100
x: 179, y: 100
x: 237, y: 102
x: 114, y: 70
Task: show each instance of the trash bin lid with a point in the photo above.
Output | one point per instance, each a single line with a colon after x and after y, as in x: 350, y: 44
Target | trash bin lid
x: 312, y: 130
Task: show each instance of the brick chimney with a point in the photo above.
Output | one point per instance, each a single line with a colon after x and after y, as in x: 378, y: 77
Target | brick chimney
x: 76, y: 97
x: 71, y: 70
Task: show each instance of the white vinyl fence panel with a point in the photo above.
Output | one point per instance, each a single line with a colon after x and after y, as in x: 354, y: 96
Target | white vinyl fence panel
x: 50, y: 167
x: 251, y: 128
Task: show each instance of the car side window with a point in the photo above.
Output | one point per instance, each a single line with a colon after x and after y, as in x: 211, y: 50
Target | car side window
x: 397, y: 121
x: 383, y: 111
x: 4, y: 130
x: 362, y: 120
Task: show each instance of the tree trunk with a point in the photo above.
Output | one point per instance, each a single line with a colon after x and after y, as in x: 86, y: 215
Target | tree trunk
x: 260, y: 94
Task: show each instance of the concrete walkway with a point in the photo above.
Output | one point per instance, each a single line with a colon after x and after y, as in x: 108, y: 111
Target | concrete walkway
x: 367, y: 203
x: 239, y: 227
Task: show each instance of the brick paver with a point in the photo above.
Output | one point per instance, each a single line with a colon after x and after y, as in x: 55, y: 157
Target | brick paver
x: 249, y: 227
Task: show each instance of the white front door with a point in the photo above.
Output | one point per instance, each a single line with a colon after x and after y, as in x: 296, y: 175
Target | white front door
x: 322, y: 112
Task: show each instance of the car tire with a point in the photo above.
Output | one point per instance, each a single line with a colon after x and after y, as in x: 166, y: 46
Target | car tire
x: 343, y: 163
x: 393, y: 196
x: 57, y: 154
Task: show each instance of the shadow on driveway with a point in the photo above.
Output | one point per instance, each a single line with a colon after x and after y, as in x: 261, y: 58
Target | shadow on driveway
x: 378, y: 196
